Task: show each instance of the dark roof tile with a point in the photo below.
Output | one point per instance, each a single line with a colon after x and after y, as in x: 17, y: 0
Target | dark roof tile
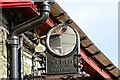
x: 56, y: 10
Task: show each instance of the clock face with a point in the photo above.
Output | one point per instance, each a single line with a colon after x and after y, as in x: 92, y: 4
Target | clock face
x: 62, y: 40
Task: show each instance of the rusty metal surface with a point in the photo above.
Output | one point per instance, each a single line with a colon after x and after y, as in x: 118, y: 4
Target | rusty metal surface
x: 59, y: 14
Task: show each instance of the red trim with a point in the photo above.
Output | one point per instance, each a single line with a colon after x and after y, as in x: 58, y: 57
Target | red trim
x: 94, y: 65
x: 24, y: 4
x: 49, y: 21
x: 84, y: 56
x: 51, y: 24
x: 15, y: 4
x: 15, y: 0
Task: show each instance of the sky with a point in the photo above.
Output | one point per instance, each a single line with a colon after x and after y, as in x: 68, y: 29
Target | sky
x: 99, y: 20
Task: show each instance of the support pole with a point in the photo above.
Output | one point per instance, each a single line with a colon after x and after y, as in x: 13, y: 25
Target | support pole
x: 14, y: 42
x: 21, y: 28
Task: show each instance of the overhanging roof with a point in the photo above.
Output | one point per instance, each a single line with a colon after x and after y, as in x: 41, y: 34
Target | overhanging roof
x: 94, y: 61
x: 90, y: 53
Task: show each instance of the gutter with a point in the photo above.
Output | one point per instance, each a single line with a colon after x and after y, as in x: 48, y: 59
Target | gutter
x: 14, y: 39
x: 32, y: 23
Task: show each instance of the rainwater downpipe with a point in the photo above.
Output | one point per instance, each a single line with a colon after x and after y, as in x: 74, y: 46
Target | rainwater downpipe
x: 13, y: 39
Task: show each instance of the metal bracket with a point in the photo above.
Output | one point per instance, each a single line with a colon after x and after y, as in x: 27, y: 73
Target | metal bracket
x: 13, y: 40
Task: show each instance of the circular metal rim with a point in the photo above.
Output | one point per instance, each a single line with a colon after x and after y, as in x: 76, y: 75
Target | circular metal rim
x: 48, y: 45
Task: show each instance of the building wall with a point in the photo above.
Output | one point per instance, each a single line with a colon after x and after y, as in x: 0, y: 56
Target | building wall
x: 4, y: 50
x: 27, y: 64
x: 3, y: 54
x: 3, y: 57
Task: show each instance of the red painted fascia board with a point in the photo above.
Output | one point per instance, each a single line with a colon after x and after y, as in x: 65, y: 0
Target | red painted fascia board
x: 24, y: 4
x: 15, y: 4
x: 94, y: 65
x: 49, y: 21
x: 89, y: 61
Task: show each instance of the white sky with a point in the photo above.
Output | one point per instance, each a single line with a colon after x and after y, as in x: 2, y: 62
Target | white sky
x: 99, y: 20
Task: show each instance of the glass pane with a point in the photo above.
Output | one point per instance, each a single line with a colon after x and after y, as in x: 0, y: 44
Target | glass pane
x: 62, y: 40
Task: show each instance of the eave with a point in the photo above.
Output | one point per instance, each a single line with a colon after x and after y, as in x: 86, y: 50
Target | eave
x: 90, y: 53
